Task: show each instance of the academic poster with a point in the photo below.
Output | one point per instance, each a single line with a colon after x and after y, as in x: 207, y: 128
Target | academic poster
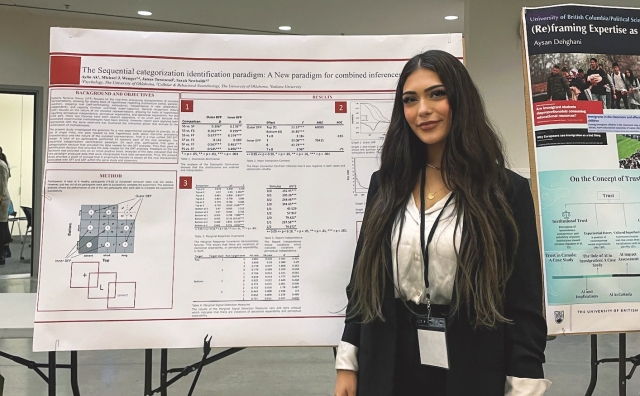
x: 208, y: 184
x: 583, y: 64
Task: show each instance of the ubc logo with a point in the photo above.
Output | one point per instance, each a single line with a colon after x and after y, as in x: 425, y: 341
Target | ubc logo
x: 559, y: 315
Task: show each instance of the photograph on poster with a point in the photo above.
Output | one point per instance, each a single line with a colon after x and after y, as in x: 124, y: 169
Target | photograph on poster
x: 612, y: 79
x: 629, y: 151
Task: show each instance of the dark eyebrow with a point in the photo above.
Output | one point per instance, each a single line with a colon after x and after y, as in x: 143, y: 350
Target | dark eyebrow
x: 431, y: 88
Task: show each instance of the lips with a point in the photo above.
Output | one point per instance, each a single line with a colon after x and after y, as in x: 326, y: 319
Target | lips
x: 428, y: 125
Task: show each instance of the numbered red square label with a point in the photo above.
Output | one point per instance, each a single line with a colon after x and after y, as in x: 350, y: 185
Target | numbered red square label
x: 186, y: 182
x: 186, y: 106
x: 341, y: 107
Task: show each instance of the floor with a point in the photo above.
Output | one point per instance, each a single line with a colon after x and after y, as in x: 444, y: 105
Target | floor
x: 14, y: 265
x: 274, y: 371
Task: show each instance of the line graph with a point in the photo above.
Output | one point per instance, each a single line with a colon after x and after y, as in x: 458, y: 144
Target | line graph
x: 363, y: 168
x: 370, y: 120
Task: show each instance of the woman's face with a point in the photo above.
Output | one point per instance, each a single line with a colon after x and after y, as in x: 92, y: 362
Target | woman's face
x: 426, y: 106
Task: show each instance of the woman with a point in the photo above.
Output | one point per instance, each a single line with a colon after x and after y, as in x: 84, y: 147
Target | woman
x: 5, y: 200
x: 578, y: 86
x: 634, y: 89
x: 482, y: 273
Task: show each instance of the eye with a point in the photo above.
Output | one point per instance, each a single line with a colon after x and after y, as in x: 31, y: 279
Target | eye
x: 439, y: 93
x: 408, y: 99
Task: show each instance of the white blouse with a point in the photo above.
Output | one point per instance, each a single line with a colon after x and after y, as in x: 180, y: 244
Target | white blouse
x: 408, y: 277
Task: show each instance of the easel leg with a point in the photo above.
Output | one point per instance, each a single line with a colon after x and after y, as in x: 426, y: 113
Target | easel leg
x: 622, y: 364
x: 594, y: 365
x: 148, y: 366
x: 52, y: 374
x: 163, y: 372
x: 74, y: 374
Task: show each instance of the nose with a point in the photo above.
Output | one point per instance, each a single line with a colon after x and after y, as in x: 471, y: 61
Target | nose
x: 424, y: 108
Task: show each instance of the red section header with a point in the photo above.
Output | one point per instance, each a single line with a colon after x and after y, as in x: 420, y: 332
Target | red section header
x: 565, y: 111
x: 65, y: 70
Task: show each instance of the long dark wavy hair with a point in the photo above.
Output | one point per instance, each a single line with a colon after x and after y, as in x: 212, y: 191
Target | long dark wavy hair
x: 473, y: 167
x: 631, y: 79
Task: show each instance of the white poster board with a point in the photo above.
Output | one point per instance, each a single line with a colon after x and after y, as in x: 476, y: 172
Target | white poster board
x: 208, y: 184
x: 585, y: 142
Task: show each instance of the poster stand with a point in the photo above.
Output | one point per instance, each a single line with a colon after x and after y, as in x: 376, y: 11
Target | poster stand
x: 52, y: 366
x: 184, y: 371
x: 621, y: 360
x: 165, y: 382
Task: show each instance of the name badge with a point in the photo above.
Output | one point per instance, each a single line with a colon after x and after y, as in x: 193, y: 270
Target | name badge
x: 432, y: 341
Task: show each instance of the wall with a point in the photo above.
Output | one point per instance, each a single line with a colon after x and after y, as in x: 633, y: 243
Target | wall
x: 24, y: 44
x: 16, y: 140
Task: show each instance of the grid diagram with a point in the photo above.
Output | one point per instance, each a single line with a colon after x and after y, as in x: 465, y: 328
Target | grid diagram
x: 108, y: 228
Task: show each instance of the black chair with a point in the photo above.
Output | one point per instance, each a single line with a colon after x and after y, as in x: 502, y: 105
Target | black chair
x: 13, y: 219
x: 28, y: 213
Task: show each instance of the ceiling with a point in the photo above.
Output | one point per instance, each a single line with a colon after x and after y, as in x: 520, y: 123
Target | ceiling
x: 307, y: 17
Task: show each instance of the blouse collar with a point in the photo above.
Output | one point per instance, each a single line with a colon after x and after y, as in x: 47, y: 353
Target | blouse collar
x: 412, y: 208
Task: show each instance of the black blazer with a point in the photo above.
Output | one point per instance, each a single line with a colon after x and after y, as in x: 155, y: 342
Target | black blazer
x: 481, y: 359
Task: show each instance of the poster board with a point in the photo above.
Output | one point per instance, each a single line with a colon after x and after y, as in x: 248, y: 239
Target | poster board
x: 208, y: 184
x: 585, y: 161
